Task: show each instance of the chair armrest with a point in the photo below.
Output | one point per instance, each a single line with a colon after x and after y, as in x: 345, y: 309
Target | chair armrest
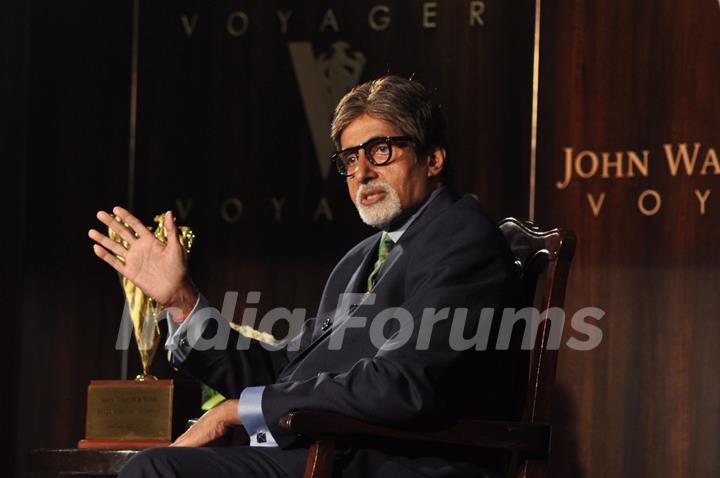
x: 528, y: 438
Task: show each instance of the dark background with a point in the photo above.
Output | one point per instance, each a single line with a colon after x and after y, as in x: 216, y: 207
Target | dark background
x: 222, y: 117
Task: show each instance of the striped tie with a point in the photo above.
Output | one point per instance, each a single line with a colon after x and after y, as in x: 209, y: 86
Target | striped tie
x: 386, y: 243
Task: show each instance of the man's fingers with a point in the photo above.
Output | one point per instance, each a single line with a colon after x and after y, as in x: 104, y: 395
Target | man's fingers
x: 125, y: 233
x: 180, y: 441
x: 172, y: 232
x: 114, y: 262
x: 191, y: 438
x: 207, y: 429
x: 106, y: 242
x: 134, y: 222
x: 186, y: 439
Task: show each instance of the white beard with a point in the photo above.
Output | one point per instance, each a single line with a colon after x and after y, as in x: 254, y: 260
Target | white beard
x: 383, y: 212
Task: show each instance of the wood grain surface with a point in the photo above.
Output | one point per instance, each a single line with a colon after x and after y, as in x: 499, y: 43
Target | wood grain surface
x: 631, y: 76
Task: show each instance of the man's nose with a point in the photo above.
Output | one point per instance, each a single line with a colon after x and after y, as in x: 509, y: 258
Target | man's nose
x: 365, y: 171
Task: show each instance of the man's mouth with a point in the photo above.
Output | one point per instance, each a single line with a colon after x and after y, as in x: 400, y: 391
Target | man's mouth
x: 372, y: 196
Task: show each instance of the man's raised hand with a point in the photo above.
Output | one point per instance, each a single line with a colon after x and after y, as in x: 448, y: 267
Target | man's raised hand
x: 158, y: 269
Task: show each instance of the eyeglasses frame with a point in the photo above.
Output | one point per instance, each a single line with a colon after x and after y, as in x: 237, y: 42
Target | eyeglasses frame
x: 389, y: 140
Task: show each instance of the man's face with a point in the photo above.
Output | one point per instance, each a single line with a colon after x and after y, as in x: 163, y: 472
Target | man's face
x: 382, y: 193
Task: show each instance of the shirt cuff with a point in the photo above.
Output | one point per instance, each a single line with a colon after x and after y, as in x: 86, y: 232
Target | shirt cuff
x: 177, y: 342
x: 251, y: 417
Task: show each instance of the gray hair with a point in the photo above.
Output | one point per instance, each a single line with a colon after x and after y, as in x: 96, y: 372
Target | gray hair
x: 405, y: 104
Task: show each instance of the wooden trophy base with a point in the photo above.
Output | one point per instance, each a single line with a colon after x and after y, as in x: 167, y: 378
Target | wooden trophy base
x: 131, y: 414
x: 123, y: 444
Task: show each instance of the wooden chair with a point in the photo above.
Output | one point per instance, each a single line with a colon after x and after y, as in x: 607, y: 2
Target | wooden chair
x: 543, y: 260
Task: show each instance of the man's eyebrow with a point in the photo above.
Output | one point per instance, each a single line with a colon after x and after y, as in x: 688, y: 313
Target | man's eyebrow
x: 364, y: 142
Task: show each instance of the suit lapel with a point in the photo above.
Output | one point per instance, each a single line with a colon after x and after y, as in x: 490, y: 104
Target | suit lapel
x: 356, y: 260
x: 357, y: 281
x: 359, y: 261
x: 350, y: 266
x: 442, y: 201
x: 390, y: 261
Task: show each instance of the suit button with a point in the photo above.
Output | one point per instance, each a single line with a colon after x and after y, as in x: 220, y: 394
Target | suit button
x: 183, y: 342
x: 326, y: 324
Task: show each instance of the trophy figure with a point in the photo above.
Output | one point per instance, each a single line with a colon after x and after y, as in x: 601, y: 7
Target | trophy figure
x: 144, y: 311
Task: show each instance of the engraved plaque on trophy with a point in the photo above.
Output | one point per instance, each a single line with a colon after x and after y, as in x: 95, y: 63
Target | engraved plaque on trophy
x: 145, y: 412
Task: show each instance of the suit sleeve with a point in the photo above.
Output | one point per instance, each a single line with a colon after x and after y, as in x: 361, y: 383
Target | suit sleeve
x: 227, y: 361
x: 466, y: 267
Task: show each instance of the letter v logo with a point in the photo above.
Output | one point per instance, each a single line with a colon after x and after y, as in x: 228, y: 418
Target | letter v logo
x: 323, y: 80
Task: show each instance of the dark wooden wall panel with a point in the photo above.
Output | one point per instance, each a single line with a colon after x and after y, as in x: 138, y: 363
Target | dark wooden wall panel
x: 633, y: 76
x: 13, y: 136
x: 223, y: 117
x: 219, y: 117
x: 73, y: 160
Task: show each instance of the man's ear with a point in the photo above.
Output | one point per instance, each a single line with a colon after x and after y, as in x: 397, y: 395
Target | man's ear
x: 435, y: 161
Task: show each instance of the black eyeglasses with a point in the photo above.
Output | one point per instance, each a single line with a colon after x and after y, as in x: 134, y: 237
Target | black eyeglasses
x: 377, y: 150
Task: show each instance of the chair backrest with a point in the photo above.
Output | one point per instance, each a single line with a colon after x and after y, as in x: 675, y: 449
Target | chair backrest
x: 543, y: 261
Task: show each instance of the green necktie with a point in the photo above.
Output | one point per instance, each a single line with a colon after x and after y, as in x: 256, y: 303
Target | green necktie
x: 386, y: 243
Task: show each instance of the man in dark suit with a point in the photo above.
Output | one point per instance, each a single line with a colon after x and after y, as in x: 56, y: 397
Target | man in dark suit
x: 400, y: 334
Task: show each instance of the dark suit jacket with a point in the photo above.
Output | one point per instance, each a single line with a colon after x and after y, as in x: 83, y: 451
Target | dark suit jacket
x: 452, y: 256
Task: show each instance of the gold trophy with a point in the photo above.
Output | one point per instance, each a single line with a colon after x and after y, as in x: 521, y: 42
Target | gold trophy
x: 145, y: 412
x: 144, y: 311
